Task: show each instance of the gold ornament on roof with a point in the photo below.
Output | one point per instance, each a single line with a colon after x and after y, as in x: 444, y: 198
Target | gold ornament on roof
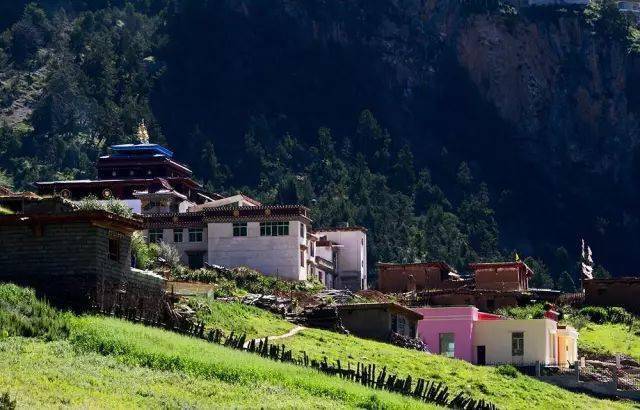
x: 143, y: 134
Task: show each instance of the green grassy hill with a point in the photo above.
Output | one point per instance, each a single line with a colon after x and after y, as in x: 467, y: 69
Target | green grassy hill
x: 521, y: 392
x: 51, y: 360
x: 603, y: 331
x: 60, y: 360
x: 239, y: 318
x: 610, y: 338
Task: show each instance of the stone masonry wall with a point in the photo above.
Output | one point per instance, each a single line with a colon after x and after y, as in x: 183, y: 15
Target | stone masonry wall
x: 69, y: 265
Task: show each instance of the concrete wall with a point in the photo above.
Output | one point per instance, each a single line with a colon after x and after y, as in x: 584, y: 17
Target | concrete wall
x: 352, y: 257
x: 69, y: 264
x: 272, y: 255
x: 185, y: 246
x: 540, y: 342
x: 457, y: 320
x: 567, y: 347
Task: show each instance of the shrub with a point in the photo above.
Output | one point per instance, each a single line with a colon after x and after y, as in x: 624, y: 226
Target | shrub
x: 22, y: 314
x: 169, y: 255
x: 143, y: 252
x: 245, y: 278
x: 619, y: 315
x: 508, y: 371
x: 524, y: 312
x: 6, y: 403
x: 595, y: 314
x: 91, y: 202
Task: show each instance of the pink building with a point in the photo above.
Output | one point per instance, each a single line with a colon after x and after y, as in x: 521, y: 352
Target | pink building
x: 482, y: 338
x: 449, y: 330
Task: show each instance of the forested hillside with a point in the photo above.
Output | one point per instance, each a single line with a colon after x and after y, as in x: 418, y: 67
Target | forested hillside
x: 454, y: 131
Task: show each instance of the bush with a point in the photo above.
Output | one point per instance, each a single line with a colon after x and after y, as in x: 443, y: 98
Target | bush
x: 6, y: 403
x: 595, y: 314
x: 619, y: 315
x: 508, y: 371
x: 91, y: 203
x: 22, y: 314
x: 143, y: 253
x: 247, y: 279
x: 524, y: 312
x: 169, y: 255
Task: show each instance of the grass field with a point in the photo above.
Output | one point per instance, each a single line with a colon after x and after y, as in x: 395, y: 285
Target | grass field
x: 98, y: 362
x: 479, y: 382
x: 289, y: 385
x: 53, y: 375
x: 239, y: 318
x: 610, y: 339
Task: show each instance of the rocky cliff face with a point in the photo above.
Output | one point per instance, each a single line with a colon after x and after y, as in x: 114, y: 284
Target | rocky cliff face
x: 563, y: 89
x: 543, y: 108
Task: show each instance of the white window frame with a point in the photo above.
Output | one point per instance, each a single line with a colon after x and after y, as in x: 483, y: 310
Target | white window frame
x: 178, y: 235
x: 517, y: 344
x: 274, y: 228
x: 239, y: 229
x: 156, y: 235
x: 195, y: 234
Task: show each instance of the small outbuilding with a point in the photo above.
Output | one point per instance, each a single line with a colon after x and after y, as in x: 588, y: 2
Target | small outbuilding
x: 77, y: 259
x: 379, y: 320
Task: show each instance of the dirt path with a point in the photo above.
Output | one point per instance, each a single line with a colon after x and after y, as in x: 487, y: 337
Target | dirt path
x: 290, y: 333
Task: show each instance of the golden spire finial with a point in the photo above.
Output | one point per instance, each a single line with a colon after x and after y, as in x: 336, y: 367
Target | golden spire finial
x: 143, y: 134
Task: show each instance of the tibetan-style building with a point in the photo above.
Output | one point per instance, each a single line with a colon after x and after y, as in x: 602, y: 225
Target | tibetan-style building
x: 140, y: 174
x: 211, y: 229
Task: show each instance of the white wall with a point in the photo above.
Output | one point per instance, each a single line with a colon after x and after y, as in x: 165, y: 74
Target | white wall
x: 352, y: 257
x: 496, y: 336
x: 134, y: 204
x: 272, y: 255
x: 185, y: 245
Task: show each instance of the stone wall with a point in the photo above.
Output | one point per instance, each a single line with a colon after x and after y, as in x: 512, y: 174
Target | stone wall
x: 69, y: 264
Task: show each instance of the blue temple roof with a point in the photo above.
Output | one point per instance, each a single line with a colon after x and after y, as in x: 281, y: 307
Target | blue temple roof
x: 140, y: 149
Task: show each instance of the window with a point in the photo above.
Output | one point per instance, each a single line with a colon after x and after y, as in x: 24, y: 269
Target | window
x: 302, y: 258
x: 274, y: 228
x: 447, y: 344
x: 312, y: 249
x: 301, y: 230
x: 195, y: 234
x: 398, y: 324
x: 402, y: 323
x: 240, y: 229
x: 177, y: 235
x: 517, y: 344
x: 114, y: 249
x: 155, y: 235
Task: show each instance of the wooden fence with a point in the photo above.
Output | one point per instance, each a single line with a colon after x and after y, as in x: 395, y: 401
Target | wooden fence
x: 369, y: 375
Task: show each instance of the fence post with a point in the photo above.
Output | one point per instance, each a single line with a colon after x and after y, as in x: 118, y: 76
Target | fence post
x: 616, y: 372
x: 538, y: 372
x: 577, y: 369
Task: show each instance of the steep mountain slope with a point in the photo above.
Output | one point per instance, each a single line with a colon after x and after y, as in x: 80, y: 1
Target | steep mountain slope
x: 539, y: 103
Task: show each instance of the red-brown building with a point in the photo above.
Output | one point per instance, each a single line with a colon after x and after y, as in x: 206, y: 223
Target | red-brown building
x: 623, y: 292
x: 406, y: 277
x: 502, y: 276
x: 128, y: 170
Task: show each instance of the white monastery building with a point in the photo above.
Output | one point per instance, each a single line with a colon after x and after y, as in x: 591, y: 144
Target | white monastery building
x: 274, y: 239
